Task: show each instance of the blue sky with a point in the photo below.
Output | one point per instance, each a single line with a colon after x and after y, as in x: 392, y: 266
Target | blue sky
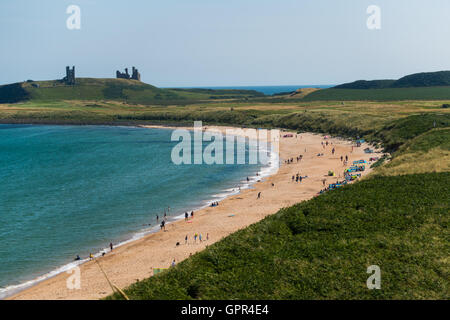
x: 224, y: 42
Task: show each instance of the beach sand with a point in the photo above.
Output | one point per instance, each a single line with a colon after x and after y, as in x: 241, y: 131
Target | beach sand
x: 134, y: 261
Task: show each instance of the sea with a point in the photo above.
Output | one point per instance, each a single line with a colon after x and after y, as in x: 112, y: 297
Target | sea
x: 71, y: 190
x: 267, y: 90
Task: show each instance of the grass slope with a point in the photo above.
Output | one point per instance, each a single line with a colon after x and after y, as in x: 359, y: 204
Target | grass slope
x: 129, y: 91
x: 418, y: 86
x: 320, y: 249
x: 385, y: 94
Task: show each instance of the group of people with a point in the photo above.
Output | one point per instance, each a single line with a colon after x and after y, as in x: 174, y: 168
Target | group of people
x: 291, y: 160
x: 91, y: 256
x: 344, y: 162
x: 195, y: 237
x: 297, y: 178
x: 186, y: 215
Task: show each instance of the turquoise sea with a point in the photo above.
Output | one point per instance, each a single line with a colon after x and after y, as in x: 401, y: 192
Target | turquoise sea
x: 68, y: 190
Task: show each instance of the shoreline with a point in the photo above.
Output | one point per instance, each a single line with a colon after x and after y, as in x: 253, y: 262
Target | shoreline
x: 225, y: 192
x: 54, y: 287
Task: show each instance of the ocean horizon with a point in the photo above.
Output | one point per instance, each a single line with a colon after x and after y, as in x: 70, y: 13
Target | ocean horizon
x: 71, y: 190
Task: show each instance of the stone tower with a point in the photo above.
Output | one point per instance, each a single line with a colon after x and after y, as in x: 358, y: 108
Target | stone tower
x: 135, y: 75
x: 69, y: 79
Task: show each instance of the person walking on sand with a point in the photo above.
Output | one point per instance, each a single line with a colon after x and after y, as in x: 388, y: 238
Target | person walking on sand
x: 192, y: 214
x: 323, y: 181
x: 163, y: 225
x: 200, y: 237
x: 111, y: 246
x: 259, y: 195
x: 186, y: 216
x: 186, y: 239
x: 195, y: 238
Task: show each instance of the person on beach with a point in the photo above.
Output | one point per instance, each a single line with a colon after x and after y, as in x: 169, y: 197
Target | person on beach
x: 207, y: 236
x: 186, y: 216
x: 324, y: 181
x: 200, y: 237
x: 259, y: 195
x: 91, y: 256
x: 157, y: 219
x: 173, y: 263
x: 192, y: 214
x: 186, y: 239
x: 111, y: 246
x: 163, y: 225
x: 77, y: 258
x: 248, y: 179
x: 195, y: 238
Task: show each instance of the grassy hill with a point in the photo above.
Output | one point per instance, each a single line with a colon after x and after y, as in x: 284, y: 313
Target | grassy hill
x: 419, y: 86
x: 386, y: 94
x: 129, y: 91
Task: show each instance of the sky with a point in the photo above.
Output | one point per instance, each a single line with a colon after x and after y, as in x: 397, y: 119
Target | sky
x: 180, y: 43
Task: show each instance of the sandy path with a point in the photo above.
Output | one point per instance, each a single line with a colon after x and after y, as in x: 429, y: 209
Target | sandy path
x: 135, y: 260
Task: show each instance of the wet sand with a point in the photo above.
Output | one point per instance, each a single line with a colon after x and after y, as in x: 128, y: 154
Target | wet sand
x: 135, y: 261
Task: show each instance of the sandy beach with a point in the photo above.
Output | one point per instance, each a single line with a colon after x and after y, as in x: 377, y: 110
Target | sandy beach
x: 135, y: 261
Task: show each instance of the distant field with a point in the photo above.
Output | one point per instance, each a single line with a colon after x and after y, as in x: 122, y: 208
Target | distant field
x: 387, y: 94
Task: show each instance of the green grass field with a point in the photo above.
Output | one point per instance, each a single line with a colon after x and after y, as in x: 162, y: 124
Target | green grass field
x: 386, y: 94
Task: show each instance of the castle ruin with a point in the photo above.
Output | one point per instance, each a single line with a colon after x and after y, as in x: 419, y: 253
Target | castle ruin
x: 125, y: 75
x: 69, y: 79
